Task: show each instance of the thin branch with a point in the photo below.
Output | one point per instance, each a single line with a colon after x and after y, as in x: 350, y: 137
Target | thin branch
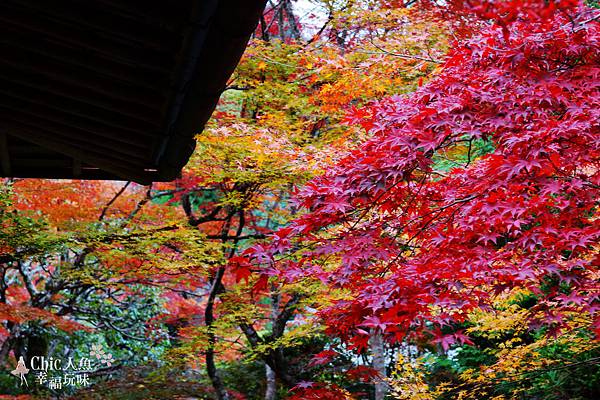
x: 285, y: 315
x: 138, y: 206
x: 115, y: 197
x: 405, y: 56
x: 193, y: 220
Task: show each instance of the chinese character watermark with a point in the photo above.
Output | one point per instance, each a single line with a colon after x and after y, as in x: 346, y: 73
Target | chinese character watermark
x: 56, y: 373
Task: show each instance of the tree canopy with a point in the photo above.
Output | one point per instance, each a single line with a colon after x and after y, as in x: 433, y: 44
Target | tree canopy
x: 393, y: 198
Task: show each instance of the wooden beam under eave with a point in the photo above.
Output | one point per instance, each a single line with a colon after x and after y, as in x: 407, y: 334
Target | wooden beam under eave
x: 82, y: 37
x: 120, y: 168
x: 76, y: 168
x: 4, y: 155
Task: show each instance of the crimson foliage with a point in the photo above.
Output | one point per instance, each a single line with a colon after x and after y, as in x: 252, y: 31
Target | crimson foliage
x: 419, y: 245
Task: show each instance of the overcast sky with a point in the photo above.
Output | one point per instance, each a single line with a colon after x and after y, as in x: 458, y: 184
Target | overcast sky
x: 311, y: 16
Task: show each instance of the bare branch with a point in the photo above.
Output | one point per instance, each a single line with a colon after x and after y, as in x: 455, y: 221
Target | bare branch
x: 115, y: 197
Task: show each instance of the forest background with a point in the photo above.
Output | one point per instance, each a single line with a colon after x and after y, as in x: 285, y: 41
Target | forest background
x: 393, y: 199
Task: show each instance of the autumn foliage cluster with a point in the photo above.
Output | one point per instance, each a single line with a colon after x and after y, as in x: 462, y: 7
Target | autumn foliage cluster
x: 427, y: 227
x: 392, y: 199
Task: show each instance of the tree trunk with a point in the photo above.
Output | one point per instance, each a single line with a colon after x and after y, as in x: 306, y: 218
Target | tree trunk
x: 271, y: 391
x: 211, y: 368
x: 378, y: 354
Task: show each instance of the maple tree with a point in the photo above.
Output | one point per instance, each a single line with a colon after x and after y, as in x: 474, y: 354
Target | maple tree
x: 103, y: 268
x: 484, y: 179
x: 275, y: 128
x: 505, y: 359
x: 401, y: 197
x: 434, y: 235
